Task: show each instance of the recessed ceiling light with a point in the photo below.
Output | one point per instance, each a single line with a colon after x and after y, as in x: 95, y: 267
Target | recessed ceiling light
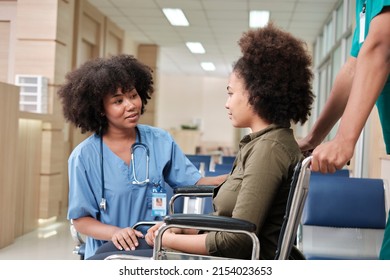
x: 208, y: 66
x: 258, y: 18
x: 176, y: 17
x: 195, y: 47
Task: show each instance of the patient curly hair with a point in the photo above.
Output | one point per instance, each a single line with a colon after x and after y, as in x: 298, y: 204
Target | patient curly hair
x: 85, y: 88
x: 276, y: 69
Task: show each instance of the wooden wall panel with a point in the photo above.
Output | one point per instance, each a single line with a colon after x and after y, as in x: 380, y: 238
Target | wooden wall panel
x: 5, y: 29
x: 89, y: 26
x: 89, y: 44
x: 37, y: 19
x: 7, y: 40
x: 35, y: 58
x: 48, y: 36
x: 63, y: 64
x: 46, y: 48
x: 148, y: 54
x: 52, y: 148
x: 50, y: 196
x: 9, y: 107
x: 65, y: 21
x: 91, y: 29
x: 114, y: 38
x: 188, y: 140
x: 29, y: 164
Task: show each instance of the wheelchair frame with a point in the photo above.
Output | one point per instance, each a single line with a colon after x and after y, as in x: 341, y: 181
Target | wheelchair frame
x: 294, y: 208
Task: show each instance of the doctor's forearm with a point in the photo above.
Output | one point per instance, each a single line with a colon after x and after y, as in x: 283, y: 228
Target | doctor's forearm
x: 95, y: 229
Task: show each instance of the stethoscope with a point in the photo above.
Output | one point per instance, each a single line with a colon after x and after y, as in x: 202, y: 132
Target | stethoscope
x: 136, y: 145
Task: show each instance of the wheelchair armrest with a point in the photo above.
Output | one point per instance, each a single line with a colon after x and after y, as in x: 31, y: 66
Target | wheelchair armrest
x: 79, y: 248
x: 190, y: 191
x: 194, y: 189
x: 76, y: 235
x: 209, y: 223
x: 200, y: 220
x: 144, y: 223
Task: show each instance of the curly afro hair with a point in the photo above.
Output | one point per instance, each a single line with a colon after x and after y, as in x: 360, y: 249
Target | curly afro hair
x: 276, y: 69
x: 85, y: 88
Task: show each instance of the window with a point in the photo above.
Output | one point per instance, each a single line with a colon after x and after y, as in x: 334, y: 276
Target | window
x: 340, y: 17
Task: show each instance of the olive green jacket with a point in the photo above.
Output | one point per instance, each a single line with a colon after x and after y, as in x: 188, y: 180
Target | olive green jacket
x: 256, y: 190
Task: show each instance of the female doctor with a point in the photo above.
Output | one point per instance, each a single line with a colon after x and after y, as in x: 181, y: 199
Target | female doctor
x: 117, y: 172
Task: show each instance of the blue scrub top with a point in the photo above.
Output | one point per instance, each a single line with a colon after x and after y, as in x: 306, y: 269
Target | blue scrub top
x: 127, y: 203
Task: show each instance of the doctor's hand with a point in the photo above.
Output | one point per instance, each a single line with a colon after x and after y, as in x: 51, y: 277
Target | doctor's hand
x: 126, y: 238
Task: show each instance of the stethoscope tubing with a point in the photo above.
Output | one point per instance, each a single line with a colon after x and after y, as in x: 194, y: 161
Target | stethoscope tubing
x: 139, y: 144
x: 133, y: 148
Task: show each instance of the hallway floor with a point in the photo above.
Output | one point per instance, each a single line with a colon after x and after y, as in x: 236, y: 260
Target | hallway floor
x: 50, y: 242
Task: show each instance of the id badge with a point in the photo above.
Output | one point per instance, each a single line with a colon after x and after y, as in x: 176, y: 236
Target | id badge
x: 159, y: 202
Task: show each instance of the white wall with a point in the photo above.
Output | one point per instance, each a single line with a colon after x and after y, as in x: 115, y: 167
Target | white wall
x: 182, y: 99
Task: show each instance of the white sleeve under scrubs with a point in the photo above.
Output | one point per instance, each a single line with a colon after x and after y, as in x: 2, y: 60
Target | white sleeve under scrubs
x: 127, y: 203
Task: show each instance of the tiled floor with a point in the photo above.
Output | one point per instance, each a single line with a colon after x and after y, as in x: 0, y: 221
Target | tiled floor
x: 53, y: 241
x: 50, y: 242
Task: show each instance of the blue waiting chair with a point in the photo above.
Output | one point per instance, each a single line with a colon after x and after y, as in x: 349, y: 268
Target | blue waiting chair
x: 343, y: 218
x: 223, y: 168
x: 197, y: 159
x: 340, y: 172
x: 228, y: 160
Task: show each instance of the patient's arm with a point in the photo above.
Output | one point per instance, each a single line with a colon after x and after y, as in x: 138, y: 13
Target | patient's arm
x: 212, y: 180
x: 189, y: 243
x: 152, y: 232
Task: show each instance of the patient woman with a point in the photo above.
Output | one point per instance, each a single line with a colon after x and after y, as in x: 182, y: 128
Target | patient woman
x: 268, y: 89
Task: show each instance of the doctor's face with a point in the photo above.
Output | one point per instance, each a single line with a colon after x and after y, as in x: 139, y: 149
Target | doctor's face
x: 240, y: 112
x: 122, y: 110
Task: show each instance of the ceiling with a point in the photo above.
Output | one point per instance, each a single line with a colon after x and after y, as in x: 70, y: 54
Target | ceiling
x: 217, y: 24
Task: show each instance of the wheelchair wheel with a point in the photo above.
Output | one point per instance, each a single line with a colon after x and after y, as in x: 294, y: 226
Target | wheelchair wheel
x: 296, y: 254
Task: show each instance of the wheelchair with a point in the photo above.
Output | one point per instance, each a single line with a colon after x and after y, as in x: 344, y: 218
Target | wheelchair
x: 286, y: 249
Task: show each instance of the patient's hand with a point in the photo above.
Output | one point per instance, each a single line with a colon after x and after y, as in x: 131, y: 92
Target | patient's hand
x: 151, y: 233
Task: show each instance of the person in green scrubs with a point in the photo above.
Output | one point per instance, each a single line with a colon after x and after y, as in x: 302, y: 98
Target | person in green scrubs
x: 362, y: 82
